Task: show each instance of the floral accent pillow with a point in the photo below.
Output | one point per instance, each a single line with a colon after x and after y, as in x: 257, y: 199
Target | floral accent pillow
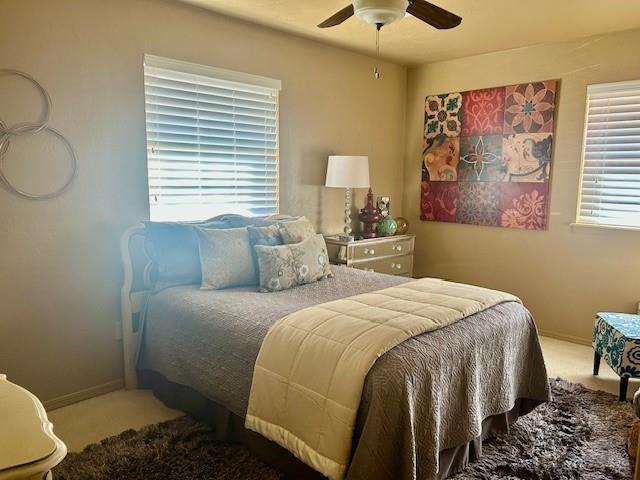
x: 225, y: 258
x: 286, y: 266
x: 297, y: 231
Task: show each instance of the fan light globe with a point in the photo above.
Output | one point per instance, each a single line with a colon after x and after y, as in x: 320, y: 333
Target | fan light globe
x: 380, y: 12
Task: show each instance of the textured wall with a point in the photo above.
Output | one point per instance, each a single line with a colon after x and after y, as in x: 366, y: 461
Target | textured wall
x: 565, y: 274
x: 60, y: 271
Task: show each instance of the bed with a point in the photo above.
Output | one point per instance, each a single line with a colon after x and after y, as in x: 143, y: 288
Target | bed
x: 427, y: 404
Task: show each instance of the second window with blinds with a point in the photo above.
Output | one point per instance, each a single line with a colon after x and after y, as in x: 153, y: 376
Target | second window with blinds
x: 610, y: 183
x: 212, y: 141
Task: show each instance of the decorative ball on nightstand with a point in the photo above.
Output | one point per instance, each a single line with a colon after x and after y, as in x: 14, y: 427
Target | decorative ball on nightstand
x: 387, y: 226
x: 403, y: 225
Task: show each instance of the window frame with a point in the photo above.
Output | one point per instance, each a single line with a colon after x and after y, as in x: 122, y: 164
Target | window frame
x: 221, y: 76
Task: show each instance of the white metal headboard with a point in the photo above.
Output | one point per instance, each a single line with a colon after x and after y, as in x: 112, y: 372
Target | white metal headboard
x: 135, y: 289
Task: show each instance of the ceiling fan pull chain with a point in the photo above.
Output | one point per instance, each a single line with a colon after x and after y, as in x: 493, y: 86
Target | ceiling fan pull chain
x: 376, y: 69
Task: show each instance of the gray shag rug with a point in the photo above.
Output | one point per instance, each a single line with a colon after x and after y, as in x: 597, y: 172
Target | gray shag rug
x: 581, y: 434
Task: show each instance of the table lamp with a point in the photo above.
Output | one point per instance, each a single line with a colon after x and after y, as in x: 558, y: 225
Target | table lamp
x: 348, y: 172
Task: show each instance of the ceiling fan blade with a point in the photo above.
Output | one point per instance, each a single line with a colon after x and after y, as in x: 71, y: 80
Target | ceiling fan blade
x: 337, y: 18
x: 433, y: 15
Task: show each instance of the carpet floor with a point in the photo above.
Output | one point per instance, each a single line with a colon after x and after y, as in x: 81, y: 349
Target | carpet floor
x: 581, y: 434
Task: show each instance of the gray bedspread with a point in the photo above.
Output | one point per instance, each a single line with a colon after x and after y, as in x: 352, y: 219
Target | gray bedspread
x: 428, y: 394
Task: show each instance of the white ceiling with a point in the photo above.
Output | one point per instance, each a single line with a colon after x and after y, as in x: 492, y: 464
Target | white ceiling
x: 487, y: 26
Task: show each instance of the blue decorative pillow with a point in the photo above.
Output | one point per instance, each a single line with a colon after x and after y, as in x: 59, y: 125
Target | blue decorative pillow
x: 267, y: 236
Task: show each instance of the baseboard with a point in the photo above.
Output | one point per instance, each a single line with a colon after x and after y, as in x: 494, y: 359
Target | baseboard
x: 85, y: 394
x: 566, y: 338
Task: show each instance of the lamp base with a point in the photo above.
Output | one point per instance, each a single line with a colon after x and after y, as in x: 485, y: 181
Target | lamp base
x: 346, y: 238
x: 347, y: 217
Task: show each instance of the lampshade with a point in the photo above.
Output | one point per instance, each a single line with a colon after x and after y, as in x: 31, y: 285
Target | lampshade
x: 346, y: 171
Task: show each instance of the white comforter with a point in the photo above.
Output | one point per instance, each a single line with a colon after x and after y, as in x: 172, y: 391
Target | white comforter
x: 312, y: 365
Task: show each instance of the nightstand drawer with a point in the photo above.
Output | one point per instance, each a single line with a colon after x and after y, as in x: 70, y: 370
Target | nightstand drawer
x: 383, y: 249
x: 399, y: 265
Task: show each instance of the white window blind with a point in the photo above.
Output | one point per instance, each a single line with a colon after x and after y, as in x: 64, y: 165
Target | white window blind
x: 610, y: 187
x: 212, y: 141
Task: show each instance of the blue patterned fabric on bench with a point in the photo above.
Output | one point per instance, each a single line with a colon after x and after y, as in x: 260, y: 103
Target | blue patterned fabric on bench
x: 616, y: 338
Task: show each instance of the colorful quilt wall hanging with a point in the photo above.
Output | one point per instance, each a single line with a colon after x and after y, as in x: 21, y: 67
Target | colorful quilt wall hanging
x: 487, y: 156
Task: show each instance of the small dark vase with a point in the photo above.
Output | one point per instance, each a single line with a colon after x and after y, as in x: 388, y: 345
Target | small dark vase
x: 369, y: 215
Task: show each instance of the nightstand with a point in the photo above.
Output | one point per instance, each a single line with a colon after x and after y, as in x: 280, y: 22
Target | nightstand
x: 28, y: 447
x: 392, y: 255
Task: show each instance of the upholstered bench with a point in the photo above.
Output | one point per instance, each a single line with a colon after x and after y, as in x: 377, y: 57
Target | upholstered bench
x: 616, y: 338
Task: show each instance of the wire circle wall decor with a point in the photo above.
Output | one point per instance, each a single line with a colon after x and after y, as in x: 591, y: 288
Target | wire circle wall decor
x: 25, y: 128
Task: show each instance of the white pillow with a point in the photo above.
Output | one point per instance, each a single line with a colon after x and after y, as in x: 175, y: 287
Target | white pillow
x: 296, y: 231
x: 225, y: 258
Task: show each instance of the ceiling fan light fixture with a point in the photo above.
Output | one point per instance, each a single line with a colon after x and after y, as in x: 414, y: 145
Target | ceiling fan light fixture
x: 380, y: 12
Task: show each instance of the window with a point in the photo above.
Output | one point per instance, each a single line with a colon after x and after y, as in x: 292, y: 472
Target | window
x: 212, y: 141
x: 610, y: 186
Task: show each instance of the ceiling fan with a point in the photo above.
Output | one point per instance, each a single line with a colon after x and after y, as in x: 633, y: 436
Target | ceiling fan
x: 384, y: 12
